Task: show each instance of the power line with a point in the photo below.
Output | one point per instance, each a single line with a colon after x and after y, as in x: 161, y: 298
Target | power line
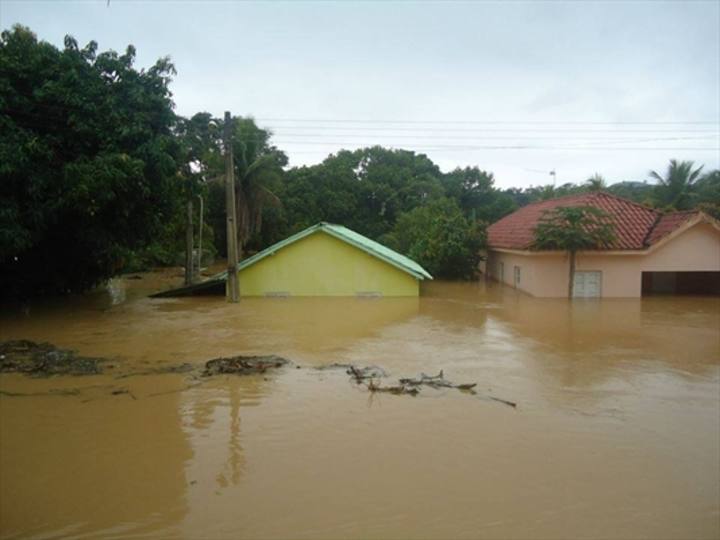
x: 520, y: 122
x: 506, y: 147
x: 489, y: 130
x: 502, y: 137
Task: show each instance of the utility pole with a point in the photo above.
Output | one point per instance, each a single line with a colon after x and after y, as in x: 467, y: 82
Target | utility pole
x: 200, y: 234
x: 233, y: 287
x: 189, y: 263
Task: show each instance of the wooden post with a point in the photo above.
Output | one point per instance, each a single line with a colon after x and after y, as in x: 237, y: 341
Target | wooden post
x: 233, y: 287
x: 200, y: 234
x: 189, y: 264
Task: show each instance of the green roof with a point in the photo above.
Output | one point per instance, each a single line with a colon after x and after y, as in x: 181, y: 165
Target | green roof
x: 346, y: 235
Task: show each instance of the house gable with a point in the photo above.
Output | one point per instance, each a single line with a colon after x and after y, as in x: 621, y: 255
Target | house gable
x: 319, y: 264
x: 694, y: 247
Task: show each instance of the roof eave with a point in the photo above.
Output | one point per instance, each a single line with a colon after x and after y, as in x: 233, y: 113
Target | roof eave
x: 377, y: 255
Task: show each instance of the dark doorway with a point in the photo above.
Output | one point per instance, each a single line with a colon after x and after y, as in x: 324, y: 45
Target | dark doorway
x: 681, y: 283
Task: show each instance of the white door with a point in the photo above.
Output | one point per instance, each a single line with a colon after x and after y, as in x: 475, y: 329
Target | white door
x: 587, y: 284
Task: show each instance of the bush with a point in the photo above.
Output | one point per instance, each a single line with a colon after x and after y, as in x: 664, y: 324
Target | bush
x: 440, y: 238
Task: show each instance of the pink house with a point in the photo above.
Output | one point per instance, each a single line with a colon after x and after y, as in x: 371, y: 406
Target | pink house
x: 654, y: 252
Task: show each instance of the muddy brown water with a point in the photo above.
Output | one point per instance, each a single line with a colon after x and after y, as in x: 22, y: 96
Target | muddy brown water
x: 616, y: 433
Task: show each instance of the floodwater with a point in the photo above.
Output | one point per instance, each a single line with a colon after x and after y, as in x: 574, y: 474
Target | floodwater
x: 616, y: 433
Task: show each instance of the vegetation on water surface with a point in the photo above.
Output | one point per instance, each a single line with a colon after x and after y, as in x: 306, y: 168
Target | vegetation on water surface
x: 98, y: 175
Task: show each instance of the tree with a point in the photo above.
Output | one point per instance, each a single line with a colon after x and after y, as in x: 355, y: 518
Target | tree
x: 707, y: 193
x: 572, y: 229
x: 675, y: 188
x: 596, y: 183
x: 440, y: 238
x: 635, y: 191
x: 475, y: 192
x: 87, y: 162
x: 365, y: 189
x: 199, y: 139
x: 258, y: 175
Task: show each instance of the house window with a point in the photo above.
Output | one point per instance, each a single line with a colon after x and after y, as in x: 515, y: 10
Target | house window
x: 501, y: 272
x: 368, y: 294
x: 516, y: 276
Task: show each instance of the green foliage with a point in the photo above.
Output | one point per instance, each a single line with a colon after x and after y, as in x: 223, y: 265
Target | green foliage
x: 476, y: 194
x: 96, y: 170
x: 640, y: 192
x: 674, y: 190
x: 574, y: 228
x: 440, y: 238
x: 596, y: 183
x: 87, y: 161
x: 706, y: 194
x: 258, y: 174
x: 389, y: 195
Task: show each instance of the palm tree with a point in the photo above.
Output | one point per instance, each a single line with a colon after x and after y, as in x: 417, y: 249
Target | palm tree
x: 674, y: 189
x: 253, y: 183
x: 572, y: 229
x: 258, y: 170
x: 596, y: 183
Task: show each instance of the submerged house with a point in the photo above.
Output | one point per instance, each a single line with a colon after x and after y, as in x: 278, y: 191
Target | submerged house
x: 329, y: 260
x: 324, y: 260
x: 654, y: 252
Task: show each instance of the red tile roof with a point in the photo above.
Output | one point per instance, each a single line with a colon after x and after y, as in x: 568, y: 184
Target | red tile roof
x: 636, y: 226
x: 667, y: 224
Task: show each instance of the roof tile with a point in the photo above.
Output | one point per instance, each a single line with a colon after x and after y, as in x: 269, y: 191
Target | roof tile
x: 636, y: 226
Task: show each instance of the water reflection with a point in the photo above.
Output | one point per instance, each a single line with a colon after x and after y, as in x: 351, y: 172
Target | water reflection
x: 606, y: 389
x: 213, y: 414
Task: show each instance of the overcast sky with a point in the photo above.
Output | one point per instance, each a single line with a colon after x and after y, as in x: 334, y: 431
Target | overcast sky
x: 517, y: 88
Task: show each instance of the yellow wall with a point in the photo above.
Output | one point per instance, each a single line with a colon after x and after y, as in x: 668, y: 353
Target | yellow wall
x: 322, y: 265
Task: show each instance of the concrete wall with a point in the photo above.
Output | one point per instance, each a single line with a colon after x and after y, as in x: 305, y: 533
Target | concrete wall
x: 321, y: 265
x: 546, y: 275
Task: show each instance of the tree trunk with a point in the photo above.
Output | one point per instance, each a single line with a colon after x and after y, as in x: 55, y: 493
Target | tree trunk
x: 571, y: 278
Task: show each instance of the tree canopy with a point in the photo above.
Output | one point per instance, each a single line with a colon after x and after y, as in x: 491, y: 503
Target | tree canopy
x: 87, y: 161
x: 674, y: 190
x: 98, y: 174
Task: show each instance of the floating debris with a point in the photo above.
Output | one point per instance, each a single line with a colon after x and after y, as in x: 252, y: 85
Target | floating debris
x: 45, y: 360
x: 397, y: 390
x: 243, y: 365
x: 334, y: 365
x: 360, y: 374
x: 504, y: 401
x: 436, y: 381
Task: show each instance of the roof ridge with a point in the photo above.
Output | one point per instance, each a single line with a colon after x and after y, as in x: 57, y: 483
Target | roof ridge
x: 624, y: 199
x: 591, y: 194
x: 541, y: 201
x: 651, y: 229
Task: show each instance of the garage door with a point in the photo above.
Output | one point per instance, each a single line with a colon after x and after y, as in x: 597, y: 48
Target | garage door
x: 587, y: 284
